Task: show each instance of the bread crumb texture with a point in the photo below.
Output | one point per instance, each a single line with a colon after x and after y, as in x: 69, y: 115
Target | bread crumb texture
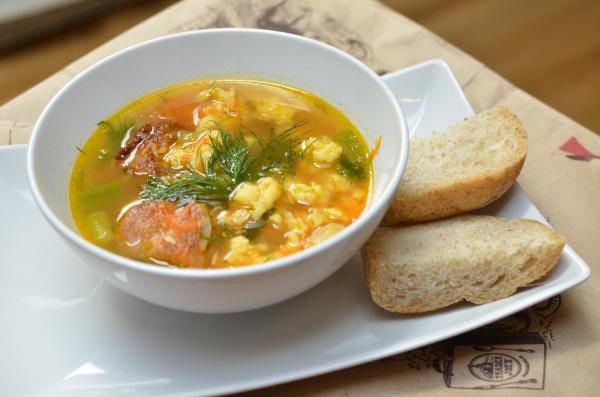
x: 476, y: 258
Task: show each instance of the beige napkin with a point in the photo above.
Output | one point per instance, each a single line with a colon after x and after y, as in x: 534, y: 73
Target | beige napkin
x: 553, y: 346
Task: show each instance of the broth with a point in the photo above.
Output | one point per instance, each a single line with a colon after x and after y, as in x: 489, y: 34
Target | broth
x: 220, y: 173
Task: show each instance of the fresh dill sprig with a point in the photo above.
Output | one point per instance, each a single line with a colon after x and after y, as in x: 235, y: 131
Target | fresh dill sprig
x: 231, y: 156
x: 118, y: 129
x: 186, y: 187
x: 279, y: 154
x: 233, y: 160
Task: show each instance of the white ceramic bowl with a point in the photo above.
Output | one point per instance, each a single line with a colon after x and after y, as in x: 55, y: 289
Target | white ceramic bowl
x: 71, y: 116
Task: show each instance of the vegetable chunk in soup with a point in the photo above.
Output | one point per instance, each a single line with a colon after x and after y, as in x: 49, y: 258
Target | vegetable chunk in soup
x: 221, y: 173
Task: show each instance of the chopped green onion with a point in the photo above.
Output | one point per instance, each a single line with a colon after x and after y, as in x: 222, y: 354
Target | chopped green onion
x: 98, y: 196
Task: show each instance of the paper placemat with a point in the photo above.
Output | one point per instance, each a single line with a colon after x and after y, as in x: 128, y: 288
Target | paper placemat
x: 559, y: 339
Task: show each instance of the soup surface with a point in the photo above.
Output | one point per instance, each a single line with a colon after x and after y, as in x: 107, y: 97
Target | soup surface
x: 220, y: 173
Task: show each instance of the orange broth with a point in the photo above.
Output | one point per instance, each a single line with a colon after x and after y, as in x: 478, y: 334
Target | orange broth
x: 192, y: 137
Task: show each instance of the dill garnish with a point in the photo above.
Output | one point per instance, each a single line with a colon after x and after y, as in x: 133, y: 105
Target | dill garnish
x: 352, y: 170
x: 321, y: 106
x: 231, y: 157
x: 186, y: 187
x: 118, y: 130
x: 233, y: 160
x: 278, y: 155
x: 79, y: 176
x: 354, y: 161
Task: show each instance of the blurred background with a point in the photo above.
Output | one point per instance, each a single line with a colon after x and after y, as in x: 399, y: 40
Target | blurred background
x: 550, y: 48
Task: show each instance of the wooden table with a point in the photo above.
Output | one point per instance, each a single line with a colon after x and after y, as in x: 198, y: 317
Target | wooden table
x: 567, y: 79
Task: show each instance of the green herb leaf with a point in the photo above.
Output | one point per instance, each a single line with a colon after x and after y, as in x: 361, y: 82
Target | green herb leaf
x: 79, y: 176
x: 321, y: 106
x: 108, y: 127
x: 231, y: 156
x: 119, y: 129
x: 352, y: 170
x: 351, y: 146
x: 279, y: 154
x: 186, y: 187
x: 354, y: 161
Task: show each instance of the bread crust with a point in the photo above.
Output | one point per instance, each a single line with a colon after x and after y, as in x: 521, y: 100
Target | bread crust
x: 447, y: 198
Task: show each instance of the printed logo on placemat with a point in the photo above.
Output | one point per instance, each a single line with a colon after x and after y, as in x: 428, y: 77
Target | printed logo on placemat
x: 495, y: 367
x: 498, y: 366
x: 508, y: 354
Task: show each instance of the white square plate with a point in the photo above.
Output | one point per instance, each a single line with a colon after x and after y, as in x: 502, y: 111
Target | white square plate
x: 67, y: 332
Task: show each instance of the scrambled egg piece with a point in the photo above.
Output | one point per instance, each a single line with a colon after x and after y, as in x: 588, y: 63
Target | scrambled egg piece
x: 275, y: 112
x: 242, y: 252
x: 322, y: 216
x: 317, y: 226
x: 336, y: 183
x: 297, y: 229
x: 276, y: 218
x: 303, y: 193
x: 260, y: 197
x: 323, y: 152
x: 221, y: 110
x: 208, y: 122
x: 195, y: 153
x: 235, y: 218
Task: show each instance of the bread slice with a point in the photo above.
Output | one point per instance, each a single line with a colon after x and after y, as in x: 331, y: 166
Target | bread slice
x: 470, y: 166
x: 477, y: 258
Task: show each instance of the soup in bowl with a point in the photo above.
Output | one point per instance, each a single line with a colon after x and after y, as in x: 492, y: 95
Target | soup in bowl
x: 220, y: 173
x: 218, y: 170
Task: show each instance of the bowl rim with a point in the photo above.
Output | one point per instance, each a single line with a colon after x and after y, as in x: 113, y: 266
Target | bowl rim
x: 228, y: 272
